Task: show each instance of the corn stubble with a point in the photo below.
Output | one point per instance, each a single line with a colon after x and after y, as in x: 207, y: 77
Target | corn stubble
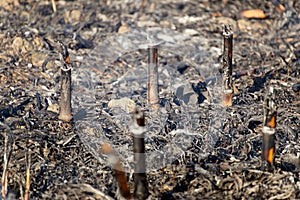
x: 269, y: 125
x: 65, y: 112
x: 140, y: 177
x: 152, y: 93
x: 227, y: 66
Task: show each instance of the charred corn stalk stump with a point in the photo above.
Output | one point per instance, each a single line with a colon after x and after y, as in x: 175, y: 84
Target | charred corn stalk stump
x: 140, y: 177
x: 118, y: 169
x: 227, y: 66
x: 152, y: 90
x: 269, y: 125
x: 65, y: 113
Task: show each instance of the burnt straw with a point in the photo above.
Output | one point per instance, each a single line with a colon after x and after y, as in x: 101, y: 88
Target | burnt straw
x: 269, y: 125
x: 118, y: 170
x: 152, y: 93
x: 65, y: 112
x: 140, y: 177
x: 227, y: 66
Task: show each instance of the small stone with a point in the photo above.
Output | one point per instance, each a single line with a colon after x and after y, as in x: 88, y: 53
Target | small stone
x: 75, y: 15
x: 9, y: 4
x: 38, y: 43
x: 186, y: 95
x: 27, y: 46
x: 296, y: 87
x: 72, y: 16
x: 37, y: 58
x: 123, y: 28
x: 17, y: 44
x: 191, y: 32
x: 53, y: 108
x: 125, y: 104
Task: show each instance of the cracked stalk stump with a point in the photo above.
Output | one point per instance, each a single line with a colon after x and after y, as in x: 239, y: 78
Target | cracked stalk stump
x: 269, y: 125
x: 65, y: 111
x: 227, y: 66
x: 152, y: 90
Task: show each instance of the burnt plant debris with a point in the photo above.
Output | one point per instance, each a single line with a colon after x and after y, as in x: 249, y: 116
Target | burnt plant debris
x: 140, y: 176
x: 45, y: 158
x: 269, y: 125
x: 227, y: 65
x: 119, y: 171
x: 152, y: 89
x: 65, y: 109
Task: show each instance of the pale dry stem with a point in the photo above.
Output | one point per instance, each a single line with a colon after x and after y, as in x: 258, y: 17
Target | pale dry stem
x: 6, y: 158
x: 27, y: 186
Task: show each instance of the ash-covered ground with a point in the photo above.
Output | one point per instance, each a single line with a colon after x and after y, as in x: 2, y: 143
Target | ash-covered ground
x: 196, y: 148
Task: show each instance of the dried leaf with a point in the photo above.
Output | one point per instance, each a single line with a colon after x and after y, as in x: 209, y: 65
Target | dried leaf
x: 280, y: 8
x: 254, y: 13
x: 218, y: 14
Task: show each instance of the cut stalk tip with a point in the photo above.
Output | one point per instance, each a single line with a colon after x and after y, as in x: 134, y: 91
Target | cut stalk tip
x: 227, y: 66
x: 269, y: 125
x: 65, y: 111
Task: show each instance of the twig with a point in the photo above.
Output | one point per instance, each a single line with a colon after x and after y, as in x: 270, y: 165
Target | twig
x: 6, y: 158
x: 27, y: 186
x: 140, y: 177
x: 65, y: 113
x: 88, y: 189
x: 53, y: 5
x: 227, y: 66
x: 153, y: 99
x: 118, y: 169
x: 269, y: 125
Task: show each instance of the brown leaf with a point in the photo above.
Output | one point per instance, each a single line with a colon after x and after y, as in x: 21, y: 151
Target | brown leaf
x: 218, y: 14
x: 254, y: 13
x: 280, y: 8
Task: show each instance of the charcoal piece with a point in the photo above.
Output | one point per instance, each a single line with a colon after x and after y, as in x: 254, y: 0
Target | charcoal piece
x: 182, y: 67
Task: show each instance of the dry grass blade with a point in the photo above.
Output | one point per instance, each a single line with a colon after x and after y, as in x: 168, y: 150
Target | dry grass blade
x: 8, y: 143
x: 27, y: 186
x: 80, y: 190
x: 53, y: 5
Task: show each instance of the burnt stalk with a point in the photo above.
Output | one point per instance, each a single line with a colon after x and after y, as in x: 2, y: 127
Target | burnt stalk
x: 140, y: 177
x: 227, y: 66
x: 118, y: 169
x: 269, y: 125
x: 65, y: 111
x: 152, y: 93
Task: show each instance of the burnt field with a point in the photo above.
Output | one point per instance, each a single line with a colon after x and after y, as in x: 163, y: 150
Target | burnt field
x: 196, y: 148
